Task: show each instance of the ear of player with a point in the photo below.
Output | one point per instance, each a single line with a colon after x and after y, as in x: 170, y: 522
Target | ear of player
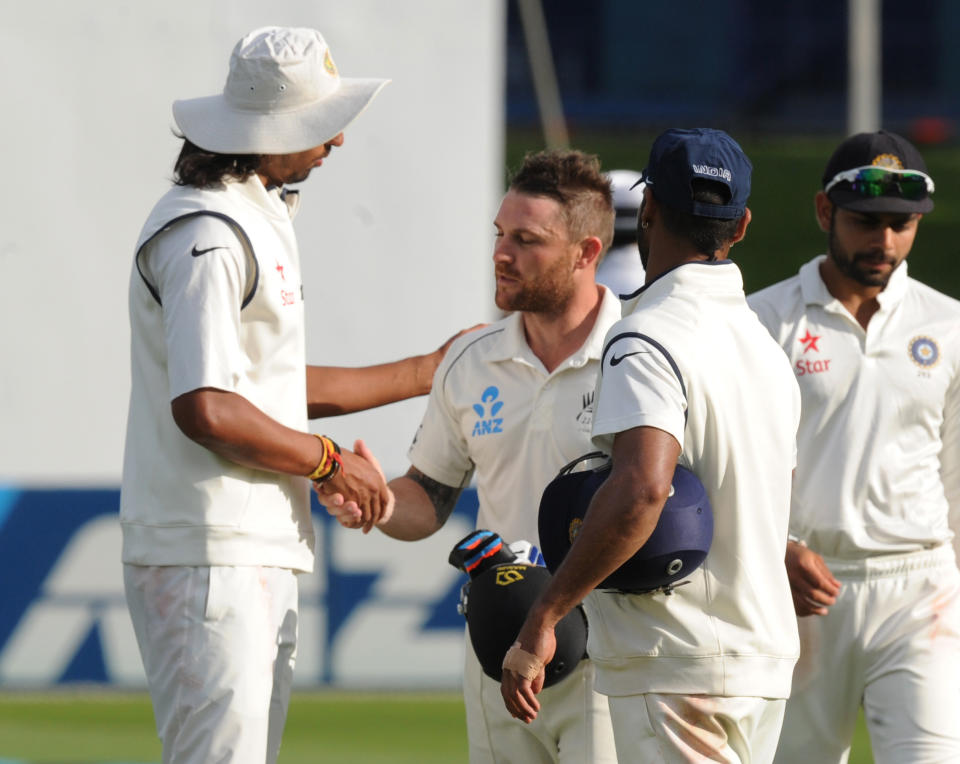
x: 677, y: 546
x: 505, y: 580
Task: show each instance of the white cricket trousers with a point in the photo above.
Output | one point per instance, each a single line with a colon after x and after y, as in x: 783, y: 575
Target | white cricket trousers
x: 666, y: 728
x: 573, y: 726
x: 891, y: 643
x: 218, y: 646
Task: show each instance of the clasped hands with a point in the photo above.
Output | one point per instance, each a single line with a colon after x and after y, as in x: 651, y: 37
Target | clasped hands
x: 357, y: 496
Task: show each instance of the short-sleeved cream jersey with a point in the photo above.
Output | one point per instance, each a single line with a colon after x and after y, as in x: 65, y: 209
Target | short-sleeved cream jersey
x: 878, y: 464
x: 495, y: 409
x: 693, y: 360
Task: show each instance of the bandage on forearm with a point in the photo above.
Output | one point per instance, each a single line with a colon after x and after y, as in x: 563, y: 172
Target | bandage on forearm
x: 521, y: 662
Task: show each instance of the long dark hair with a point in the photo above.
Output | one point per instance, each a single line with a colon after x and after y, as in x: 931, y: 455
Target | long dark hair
x: 202, y: 169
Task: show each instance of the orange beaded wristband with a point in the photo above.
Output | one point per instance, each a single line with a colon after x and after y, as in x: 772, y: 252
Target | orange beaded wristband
x: 330, y: 463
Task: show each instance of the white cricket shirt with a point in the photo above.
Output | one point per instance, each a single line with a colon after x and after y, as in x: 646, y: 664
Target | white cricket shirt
x: 495, y: 409
x: 879, y: 443
x: 215, y: 301
x: 693, y: 360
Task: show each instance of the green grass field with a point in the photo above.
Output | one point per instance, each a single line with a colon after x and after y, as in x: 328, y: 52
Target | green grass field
x: 341, y: 727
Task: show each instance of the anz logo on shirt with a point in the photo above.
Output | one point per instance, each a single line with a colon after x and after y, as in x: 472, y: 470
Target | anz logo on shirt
x: 487, y: 409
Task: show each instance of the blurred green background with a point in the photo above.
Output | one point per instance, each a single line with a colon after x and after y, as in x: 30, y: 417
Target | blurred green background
x: 786, y: 175
x: 340, y: 727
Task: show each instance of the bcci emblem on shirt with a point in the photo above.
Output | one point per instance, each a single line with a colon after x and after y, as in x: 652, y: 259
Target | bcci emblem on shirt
x: 924, y: 352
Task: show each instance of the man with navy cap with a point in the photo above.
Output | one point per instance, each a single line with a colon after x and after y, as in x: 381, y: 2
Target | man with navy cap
x: 215, y: 505
x: 874, y: 578
x: 689, y: 377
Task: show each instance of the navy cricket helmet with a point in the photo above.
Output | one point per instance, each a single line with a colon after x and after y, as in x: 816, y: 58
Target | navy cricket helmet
x: 496, y: 600
x: 677, y: 546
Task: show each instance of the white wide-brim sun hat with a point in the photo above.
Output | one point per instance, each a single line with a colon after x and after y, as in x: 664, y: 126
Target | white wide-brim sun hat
x: 283, y: 95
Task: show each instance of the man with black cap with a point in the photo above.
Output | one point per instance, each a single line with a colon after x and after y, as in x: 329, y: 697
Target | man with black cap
x: 215, y: 505
x: 690, y: 376
x: 874, y: 578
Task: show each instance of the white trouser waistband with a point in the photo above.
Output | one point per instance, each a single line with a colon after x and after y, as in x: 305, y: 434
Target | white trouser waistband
x: 883, y: 566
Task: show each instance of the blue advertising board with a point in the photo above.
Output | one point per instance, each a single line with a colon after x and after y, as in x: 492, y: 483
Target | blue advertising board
x: 375, y: 613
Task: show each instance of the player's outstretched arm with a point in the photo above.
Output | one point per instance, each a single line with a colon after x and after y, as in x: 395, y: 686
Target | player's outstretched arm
x: 231, y: 427
x: 420, y: 507
x: 334, y: 390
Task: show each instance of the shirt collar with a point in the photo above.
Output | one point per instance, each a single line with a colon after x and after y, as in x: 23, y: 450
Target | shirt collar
x: 273, y: 200
x: 712, y: 276
x: 515, y: 348
x: 815, y: 291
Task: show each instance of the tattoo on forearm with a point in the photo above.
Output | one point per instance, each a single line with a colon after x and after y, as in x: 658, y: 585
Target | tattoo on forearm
x: 443, y: 497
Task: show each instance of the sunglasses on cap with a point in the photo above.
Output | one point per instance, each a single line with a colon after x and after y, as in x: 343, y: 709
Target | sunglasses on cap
x: 884, y: 181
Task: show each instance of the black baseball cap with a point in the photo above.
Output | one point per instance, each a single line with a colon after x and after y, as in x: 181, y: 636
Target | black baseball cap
x: 900, y: 190
x: 678, y: 156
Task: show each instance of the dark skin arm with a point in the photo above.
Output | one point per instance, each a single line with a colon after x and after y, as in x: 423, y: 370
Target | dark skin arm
x: 421, y: 505
x: 335, y: 390
x: 233, y: 428
x: 622, y: 515
x: 812, y: 584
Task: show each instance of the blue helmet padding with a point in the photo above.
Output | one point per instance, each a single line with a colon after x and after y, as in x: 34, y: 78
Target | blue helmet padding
x: 678, y: 545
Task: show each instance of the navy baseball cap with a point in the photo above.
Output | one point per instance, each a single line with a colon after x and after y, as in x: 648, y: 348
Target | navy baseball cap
x: 678, y: 156
x: 878, y: 172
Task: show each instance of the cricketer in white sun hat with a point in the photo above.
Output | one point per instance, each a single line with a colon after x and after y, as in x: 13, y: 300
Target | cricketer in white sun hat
x: 283, y: 95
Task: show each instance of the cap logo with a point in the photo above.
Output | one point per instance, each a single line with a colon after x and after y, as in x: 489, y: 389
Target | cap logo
x: 887, y: 160
x: 713, y: 172
x: 328, y: 63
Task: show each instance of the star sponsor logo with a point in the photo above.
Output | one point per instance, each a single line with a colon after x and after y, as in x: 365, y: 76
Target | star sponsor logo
x: 803, y: 367
x: 924, y: 351
x: 809, y: 341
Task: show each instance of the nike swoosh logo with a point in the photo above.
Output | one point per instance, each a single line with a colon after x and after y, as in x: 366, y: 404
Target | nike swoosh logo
x: 614, y: 360
x: 197, y: 252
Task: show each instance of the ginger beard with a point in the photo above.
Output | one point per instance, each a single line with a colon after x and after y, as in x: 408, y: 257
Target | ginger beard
x: 547, y: 292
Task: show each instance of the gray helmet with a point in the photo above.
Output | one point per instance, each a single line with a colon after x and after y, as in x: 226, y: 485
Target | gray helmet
x: 627, y: 191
